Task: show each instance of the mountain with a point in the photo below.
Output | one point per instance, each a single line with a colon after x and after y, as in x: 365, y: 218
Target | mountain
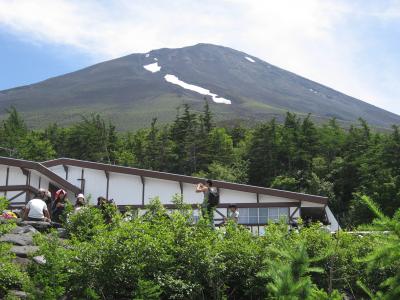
x: 133, y: 89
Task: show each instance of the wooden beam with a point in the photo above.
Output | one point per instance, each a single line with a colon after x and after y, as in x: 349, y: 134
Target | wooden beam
x: 83, y: 181
x: 181, y: 187
x: 7, y: 176
x: 16, y: 188
x: 108, y: 183
x: 16, y: 196
x: 66, y: 171
x: 142, y: 178
x: 226, y: 205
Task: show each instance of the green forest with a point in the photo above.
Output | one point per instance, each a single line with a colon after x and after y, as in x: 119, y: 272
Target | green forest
x: 297, y: 155
x: 157, y: 255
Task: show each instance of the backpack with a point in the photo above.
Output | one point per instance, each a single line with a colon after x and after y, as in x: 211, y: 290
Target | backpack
x: 213, y: 196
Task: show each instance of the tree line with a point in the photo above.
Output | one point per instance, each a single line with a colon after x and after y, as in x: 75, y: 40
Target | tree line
x: 297, y: 155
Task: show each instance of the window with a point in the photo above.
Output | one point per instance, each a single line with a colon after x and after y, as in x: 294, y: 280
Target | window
x: 253, y: 215
x: 262, y: 215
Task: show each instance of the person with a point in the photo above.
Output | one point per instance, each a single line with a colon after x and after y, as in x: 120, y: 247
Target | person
x: 59, y: 204
x: 47, y: 200
x: 106, y: 207
x: 210, y: 200
x: 80, y: 203
x: 101, y: 202
x: 233, y: 213
x: 36, y: 209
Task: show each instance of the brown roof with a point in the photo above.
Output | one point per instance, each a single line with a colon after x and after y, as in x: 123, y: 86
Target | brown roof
x: 20, y: 163
x: 185, y: 179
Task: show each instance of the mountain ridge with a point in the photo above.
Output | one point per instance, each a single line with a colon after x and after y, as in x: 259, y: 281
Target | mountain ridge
x: 130, y: 95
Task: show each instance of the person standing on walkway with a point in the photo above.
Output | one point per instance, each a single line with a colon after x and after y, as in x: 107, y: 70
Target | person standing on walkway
x: 210, y: 200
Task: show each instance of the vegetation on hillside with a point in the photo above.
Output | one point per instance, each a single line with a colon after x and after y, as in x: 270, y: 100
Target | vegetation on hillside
x: 160, y: 256
x: 297, y: 155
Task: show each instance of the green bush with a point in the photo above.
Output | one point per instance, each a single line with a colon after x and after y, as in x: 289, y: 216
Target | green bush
x: 158, y: 255
x: 85, y: 224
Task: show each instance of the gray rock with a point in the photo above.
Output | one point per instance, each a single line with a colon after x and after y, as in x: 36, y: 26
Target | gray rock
x: 62, y: 233
x: 18, y: 294
x: 41, y: 226
x: 24, y: 239
x: 24, y: 229
x: 39, y: 260
x: 23, y: 262
x: 24, y: 251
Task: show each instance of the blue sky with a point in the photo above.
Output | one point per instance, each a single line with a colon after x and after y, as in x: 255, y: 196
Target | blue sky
x: 352, y: 46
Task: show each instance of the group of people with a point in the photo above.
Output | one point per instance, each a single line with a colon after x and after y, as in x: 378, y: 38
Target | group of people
x: 44, y: 208
x: 211, y: 201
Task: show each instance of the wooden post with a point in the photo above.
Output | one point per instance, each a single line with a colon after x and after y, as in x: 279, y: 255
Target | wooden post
x: 143, y: 188
x: 7, y: 176
x: 108, y: 183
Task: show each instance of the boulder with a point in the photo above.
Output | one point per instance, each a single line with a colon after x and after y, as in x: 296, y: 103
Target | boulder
x: 24, y: 229
x: 23, y: 239
x: 18, y: 294
x: 39, y: 225
x: 39, y: 260
x: 62, y: 233
x: 24, y: 251
x: 23, y: 262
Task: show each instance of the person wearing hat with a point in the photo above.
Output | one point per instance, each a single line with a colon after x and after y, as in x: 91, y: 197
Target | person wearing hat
x: 80, y: 203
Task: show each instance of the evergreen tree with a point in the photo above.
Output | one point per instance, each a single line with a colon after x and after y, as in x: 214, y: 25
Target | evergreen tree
x: 13, y: 131
x: 262, y: 154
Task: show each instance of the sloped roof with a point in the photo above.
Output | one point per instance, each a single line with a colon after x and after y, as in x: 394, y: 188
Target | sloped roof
x: 185, y: 179
x: 26, y: 164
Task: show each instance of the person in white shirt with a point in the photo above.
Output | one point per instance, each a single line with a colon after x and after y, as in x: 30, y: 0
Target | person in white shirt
x: 233, y: 213
x: 36, y: 210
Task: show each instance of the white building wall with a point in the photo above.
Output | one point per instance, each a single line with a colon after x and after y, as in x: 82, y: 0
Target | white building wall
x: 59, y: 170
x: 189, y: 194
x: 35, y: 179
x: 334, y: 223
x: 311, y: 204
x: 95, y: 184
x: 74, y: 174
x: 3, y: 174
x: 231, y: 196
x: 296, y: 214
x: 165, y: 189
x: 125, y: 189
x: 16, y: 177
x: 274, y: 199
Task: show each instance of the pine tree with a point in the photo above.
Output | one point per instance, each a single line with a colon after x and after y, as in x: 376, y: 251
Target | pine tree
x: 262, y: 154
x: 386, y: 253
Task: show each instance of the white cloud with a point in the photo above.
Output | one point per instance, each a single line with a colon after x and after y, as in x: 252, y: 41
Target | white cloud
x: 316, y: 39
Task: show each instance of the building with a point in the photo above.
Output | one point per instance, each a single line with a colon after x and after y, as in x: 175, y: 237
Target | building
x: 132, y: 187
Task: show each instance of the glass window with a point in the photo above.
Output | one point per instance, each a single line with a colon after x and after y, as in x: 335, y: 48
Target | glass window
x: 273, y: 215
x: 263, y: 215
x: 284, y: 213
x: 253, y: 215
x: 261, y: 231
x: 244, y: 215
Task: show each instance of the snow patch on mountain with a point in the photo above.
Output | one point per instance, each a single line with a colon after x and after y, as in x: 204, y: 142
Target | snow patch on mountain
x: 198, y: 89
x: 147, y: 55
x: 249, y: 59
x: 153, y: 68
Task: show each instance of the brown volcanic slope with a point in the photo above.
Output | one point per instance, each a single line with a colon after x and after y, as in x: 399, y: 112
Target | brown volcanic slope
x: 122, y: 90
